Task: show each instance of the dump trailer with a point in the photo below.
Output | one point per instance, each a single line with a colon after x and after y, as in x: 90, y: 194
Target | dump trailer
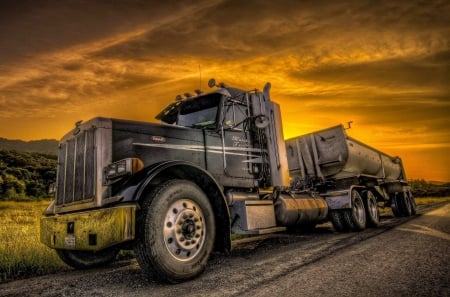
x: 217, y: 164
x: 351, y: 176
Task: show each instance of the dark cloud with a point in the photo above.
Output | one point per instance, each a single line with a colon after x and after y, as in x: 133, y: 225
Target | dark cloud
x: 382, y: 63
x: 73, y: 66
x: 33, y: 27
x: 391, y: 73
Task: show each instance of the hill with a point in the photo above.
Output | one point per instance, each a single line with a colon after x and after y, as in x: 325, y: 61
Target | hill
x: 45, y: 146
x: 422, y: 188
x: 26, y: 175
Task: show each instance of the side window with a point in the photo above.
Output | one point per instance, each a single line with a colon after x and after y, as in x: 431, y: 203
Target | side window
x: 199, y: 112
x: 235, y: 115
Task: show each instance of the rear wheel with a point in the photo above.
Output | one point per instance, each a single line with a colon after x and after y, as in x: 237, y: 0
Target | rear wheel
x: 372, y: 212
x: 413, y: 204
x: 175, y: 231
x: 355, y: 217
x: 338, y: 221
x: 404, y: 204
x: 395, y: 205
x: 88, y: 259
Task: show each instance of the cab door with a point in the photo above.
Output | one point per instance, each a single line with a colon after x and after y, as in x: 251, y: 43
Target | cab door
x: 239, y: 154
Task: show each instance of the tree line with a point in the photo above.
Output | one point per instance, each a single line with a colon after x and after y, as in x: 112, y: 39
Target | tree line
x: 26, y: 175
x: 422, y: 188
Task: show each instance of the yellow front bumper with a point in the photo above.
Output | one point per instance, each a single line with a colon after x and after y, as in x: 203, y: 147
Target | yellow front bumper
x: 89, y: 230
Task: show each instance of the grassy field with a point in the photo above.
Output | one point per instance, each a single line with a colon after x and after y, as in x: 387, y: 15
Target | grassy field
x: 428, y: 200
x: 23, y: 255
x: 21, y: 252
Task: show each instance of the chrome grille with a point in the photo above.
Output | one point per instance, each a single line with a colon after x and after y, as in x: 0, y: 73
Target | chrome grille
x: 76, y: 169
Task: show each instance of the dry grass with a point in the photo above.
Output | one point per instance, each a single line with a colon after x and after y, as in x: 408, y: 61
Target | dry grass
x: 21, y: 252
x: 428, y: 200
x: 23, y: 255
x: 419, y: 201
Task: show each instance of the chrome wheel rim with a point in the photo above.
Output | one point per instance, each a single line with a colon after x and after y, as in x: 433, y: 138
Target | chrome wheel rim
x: 372, y: 205
x: 184, y: 229
x: 358, y: 207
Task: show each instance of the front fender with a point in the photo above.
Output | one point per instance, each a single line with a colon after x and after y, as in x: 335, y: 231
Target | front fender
x: 136, y: 188
x: 133, y: 188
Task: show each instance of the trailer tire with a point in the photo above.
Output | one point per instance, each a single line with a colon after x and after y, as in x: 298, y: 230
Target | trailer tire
x: 355, y: 217
x: 395, y: 205
x: 372, y: 212
x: 88, y: 259
x: 175, y: 231
x: 405, y: 205
x: 338, y: 221
x: 413, y: 204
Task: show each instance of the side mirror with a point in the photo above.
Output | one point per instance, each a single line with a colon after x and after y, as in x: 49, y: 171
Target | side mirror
x: 261, y: 122
x: 212, y: 83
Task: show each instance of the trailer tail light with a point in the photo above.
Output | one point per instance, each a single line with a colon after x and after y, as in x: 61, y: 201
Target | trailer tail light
x: 114, y: 171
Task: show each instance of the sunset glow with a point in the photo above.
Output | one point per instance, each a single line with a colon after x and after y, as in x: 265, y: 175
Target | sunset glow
x: 383, y: 65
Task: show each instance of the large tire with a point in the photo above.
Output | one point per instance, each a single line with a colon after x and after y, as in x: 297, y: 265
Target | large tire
x: 372, y: 212
x: 395, y: 205
x: 338, y: 221
x: 175, y: 232
x: 88, y: 259
x: 355, y: 217
x: 413, y: 204
x: 404, y: 204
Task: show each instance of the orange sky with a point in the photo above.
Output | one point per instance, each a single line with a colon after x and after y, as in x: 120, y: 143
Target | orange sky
x: 385, y: 65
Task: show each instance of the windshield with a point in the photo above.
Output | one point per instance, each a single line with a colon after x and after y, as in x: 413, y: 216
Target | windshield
x: 199, y: 112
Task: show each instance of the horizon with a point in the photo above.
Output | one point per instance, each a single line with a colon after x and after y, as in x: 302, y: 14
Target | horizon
x: 384, y: 66
x: 409, y: 179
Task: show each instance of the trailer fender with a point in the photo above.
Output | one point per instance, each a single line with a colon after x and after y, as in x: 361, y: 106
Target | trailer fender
x: 341, y: 199
x: 188, y: 171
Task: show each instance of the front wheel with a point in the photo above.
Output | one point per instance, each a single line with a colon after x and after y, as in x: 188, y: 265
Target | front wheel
x: 175, y: 231
x: 88, y: 259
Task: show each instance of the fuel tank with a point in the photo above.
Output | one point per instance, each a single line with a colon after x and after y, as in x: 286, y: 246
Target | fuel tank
x: 297, y: 209
x: 331, y: 154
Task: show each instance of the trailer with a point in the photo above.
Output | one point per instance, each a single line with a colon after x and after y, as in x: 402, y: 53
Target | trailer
x: 351, y: 176
x: 217, y: 164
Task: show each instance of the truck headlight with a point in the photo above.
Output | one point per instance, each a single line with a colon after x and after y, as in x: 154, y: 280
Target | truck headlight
x: 121, y: 168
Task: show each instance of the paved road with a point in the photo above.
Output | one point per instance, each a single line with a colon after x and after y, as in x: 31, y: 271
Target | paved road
x: 412, y: 259
x: 402, y: 257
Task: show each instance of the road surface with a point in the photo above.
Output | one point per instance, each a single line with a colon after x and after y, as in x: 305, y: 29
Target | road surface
x: 402, y: 257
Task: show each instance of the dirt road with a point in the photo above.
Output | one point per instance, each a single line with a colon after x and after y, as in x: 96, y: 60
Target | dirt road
x: 402, y: 257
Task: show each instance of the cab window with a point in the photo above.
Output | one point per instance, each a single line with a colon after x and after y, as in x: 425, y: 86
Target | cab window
x: 200, y: 112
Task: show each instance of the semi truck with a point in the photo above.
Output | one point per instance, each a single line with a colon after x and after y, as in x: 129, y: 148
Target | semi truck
x: 217, y: 164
